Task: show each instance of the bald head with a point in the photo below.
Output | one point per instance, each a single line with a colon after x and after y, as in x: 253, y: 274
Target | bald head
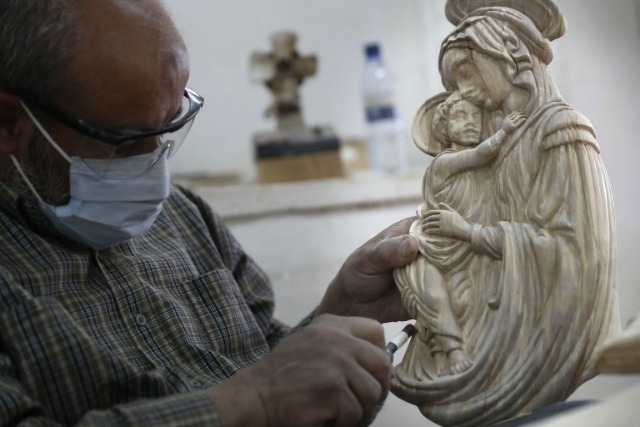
x: 130, y: 54
x: 123, y: 22
x: 110, y: 63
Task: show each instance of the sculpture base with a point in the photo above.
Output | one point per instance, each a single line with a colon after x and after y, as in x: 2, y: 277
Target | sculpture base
x: 297, y: 154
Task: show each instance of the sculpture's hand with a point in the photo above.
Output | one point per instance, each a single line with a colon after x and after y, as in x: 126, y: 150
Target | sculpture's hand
x: 364, y: 286
x: 446, y: 222
x: 513, y: 121
x: 332, y: 372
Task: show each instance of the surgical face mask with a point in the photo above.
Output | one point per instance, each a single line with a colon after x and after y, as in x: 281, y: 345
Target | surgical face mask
x: 107, y: 209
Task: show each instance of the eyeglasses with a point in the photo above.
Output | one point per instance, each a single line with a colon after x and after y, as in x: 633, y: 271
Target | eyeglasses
x: 94, y: 142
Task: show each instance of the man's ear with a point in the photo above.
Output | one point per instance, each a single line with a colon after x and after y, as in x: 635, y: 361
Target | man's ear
x: 16, y: 128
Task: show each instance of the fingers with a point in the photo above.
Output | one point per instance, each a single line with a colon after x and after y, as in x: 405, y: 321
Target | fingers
x: 347, y: 409
x: 364, y: 285
x: 397, y: 229
x: 392, y: 248
x: 334, y: 370
x: 394, y: 252
x: 369, y: 377
x: 365, y: 329
x: 368, y: 393
x: 432, y: 220
x: 517, y: 118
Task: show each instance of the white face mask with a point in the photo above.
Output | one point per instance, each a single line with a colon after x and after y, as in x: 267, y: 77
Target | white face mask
x: 107, y: 210
x: 104, y: 211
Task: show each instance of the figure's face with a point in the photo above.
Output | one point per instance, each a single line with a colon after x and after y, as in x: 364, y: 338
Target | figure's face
x: 478, y: 77
x: 465, y: 123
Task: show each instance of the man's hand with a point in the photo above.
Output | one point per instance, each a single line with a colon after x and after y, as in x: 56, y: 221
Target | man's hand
x: 364, y: 286
x: 332, y: 371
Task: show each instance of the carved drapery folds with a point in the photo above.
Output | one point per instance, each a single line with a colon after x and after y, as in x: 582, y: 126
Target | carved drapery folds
x: 515, y: 284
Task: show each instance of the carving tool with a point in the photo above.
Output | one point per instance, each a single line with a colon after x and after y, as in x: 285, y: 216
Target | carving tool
x: 399, y: 340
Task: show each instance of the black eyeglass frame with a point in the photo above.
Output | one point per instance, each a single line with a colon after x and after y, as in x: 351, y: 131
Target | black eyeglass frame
x: 114, y: 136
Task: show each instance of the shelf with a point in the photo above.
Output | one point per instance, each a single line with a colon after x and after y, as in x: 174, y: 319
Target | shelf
x: 359, y: 191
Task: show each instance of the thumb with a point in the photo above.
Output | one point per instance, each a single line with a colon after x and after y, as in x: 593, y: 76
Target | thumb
x: 396, y: 252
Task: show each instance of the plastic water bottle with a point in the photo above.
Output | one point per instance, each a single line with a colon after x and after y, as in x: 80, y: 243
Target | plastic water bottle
x: 385, y: 130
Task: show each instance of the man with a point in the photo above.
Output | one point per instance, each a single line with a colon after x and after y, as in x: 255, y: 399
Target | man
x: 124, y: 300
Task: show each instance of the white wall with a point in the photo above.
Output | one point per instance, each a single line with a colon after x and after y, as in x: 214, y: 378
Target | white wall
x: 222, y: 34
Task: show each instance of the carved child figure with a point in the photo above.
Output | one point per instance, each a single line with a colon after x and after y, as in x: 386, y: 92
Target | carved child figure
x: 453, y: 178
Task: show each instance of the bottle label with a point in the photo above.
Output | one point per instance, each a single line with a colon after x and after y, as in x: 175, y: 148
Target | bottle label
x: 380, y: 112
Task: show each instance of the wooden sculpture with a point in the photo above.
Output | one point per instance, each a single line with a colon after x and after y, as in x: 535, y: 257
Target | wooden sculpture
x: 514, y: 288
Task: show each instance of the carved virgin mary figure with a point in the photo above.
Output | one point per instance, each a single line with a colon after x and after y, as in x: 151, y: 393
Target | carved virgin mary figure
x: 534, y: 293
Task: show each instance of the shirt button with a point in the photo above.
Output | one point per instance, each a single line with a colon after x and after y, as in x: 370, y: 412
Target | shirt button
x: 141, y: 320
x: 196, y: 383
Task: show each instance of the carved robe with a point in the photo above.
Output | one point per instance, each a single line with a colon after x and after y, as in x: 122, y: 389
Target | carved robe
x: 467, y: 193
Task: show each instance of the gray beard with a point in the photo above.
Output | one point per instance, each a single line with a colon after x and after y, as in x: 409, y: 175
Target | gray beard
x: 41, y: 171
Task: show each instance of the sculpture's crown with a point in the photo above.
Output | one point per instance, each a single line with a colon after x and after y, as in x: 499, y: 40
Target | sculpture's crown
x: 543, y: 13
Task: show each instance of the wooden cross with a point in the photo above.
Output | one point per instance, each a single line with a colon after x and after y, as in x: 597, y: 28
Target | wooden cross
x: 283, y: 70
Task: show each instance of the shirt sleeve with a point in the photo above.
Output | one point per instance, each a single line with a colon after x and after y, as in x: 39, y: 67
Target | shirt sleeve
x: 180, y: 410
x: 17, y: 408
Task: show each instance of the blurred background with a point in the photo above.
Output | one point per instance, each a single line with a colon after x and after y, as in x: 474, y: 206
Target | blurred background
x: 300, y: 232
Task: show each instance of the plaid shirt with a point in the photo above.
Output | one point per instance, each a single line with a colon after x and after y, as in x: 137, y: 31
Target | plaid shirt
x: 129, y: 335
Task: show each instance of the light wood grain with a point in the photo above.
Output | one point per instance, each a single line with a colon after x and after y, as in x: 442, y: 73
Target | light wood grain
x: 514, y: 289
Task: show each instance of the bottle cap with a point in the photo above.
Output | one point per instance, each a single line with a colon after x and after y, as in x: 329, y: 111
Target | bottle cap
x: 373, y: 51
